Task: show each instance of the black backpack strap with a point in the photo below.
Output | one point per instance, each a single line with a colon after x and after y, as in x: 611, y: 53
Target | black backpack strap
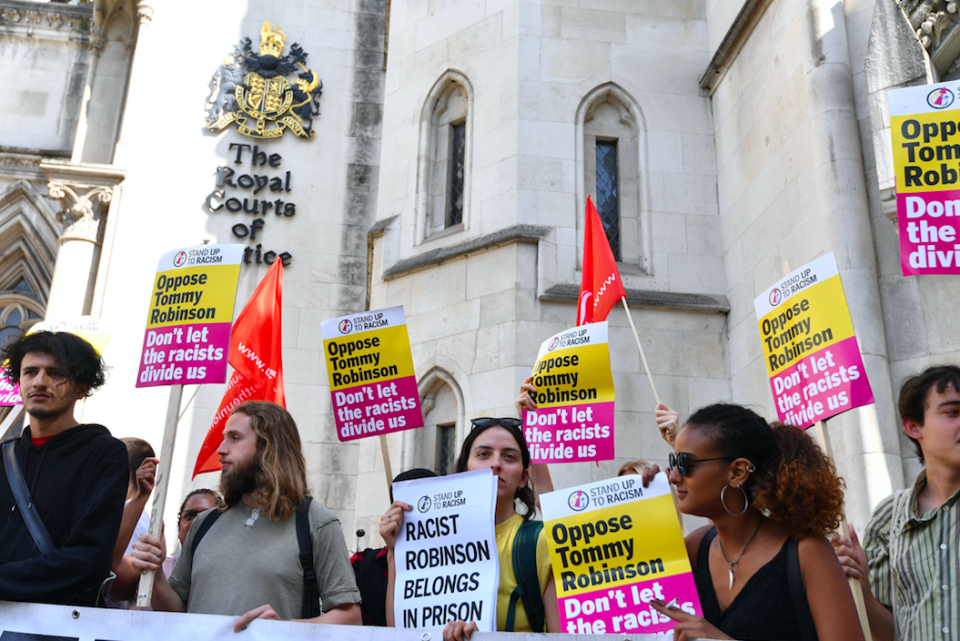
x: 202, y: 529
x: 21, y: 494
x: 528, y: 578
x: 798, y: 594
x: 311, y: 604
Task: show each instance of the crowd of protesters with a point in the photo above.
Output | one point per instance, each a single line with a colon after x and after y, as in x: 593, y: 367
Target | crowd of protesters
x: 768, y: 566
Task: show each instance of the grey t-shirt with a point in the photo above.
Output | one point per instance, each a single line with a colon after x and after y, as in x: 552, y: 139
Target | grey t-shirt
x: 239, y: 567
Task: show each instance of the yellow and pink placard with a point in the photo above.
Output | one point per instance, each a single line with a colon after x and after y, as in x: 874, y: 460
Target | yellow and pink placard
x: 809, y: 346
x: 615, y: 546
x: 575, y: 398
x: 189, y: 318
x: 925, y: 127
x: 370, y: 368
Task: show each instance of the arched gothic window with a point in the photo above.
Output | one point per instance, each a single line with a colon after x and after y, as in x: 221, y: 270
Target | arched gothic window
x: 435, y: 446
x: 612, y: 154
x: 444, y: 160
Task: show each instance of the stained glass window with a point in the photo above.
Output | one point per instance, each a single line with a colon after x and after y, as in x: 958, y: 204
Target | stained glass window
x: 607, y: 197
x: 457, y: 168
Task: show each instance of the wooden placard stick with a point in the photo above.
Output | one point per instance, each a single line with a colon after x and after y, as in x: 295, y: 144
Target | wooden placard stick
x: 145, y: 590
x: 386, y: 461
x: 823, y: 439
x: 12, y: 424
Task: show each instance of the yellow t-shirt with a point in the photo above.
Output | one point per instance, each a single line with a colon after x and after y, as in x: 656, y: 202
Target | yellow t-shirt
x: 506, y: 533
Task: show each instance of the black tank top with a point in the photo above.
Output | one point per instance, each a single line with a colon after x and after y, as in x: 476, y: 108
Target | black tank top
x: 762, y: 610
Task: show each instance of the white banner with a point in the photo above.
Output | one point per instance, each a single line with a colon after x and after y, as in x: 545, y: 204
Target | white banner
x: 446, y: 555
x: 31, y: 622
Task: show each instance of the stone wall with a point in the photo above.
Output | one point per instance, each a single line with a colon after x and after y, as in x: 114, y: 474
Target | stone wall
x: 791, y: 188
x: 918, y: 312
x: 480, y: 300
x: 44, y: 54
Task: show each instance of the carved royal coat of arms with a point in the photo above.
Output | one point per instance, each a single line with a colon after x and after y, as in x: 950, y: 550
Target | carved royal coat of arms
x: 252, y: 91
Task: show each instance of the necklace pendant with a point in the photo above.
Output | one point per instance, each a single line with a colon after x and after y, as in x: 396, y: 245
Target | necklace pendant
x: 732, y: 574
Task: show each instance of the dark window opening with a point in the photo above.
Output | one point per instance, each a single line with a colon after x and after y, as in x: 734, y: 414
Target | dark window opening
x: 446, y: 449
x: 458, y: 146
x: 608, y: 205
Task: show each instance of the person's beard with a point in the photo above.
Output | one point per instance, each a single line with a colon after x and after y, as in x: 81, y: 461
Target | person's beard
x: 243, y: 478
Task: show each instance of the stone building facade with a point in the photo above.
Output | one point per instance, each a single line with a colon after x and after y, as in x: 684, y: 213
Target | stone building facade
x: 456, y: 144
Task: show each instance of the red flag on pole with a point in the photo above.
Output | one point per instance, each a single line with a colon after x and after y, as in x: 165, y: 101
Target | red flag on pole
x: 257, y: 361
x: 600, y: 287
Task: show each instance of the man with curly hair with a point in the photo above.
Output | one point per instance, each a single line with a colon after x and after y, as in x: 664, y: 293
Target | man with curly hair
x: 75, y: 475
x: 908, y: 563
x: 246, y: 559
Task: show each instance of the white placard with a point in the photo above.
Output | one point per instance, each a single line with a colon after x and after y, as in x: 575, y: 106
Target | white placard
x: 446, y: 554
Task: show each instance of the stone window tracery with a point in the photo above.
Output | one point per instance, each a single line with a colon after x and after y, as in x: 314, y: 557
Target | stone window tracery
x: 611, y: 152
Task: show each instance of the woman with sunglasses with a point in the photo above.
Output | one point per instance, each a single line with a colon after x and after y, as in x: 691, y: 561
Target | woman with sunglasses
x: 495, y: 443
x: 773, y: 497
x: 197, y: 502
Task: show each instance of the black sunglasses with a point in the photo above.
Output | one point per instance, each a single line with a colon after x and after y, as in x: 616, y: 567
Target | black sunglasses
x: 684, y: 463
x: 486, y: 421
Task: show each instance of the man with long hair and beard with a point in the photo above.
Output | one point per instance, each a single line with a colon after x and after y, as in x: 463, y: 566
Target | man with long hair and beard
x: 252, y: 540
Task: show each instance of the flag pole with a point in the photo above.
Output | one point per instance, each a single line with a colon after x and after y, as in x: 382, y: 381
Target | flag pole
x: 643, y: 358
x: 145, y: 590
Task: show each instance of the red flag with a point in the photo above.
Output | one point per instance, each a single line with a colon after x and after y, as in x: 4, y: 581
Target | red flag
x: 255, y: 355
x: 600, y: 287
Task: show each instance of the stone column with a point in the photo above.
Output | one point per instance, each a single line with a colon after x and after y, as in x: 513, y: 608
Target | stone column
x: 865, y: 439
x: 97, y: 42
x: 85, y: 193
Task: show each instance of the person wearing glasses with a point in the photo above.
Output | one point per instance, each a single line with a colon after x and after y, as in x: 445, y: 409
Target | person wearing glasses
x: 196, y: 503
x: 72, y: 478
x: 495, y: 443
x: 764, y: 569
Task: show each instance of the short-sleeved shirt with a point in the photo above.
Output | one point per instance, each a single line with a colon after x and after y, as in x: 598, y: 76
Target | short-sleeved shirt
x: 240, y: 567
x: 920, y: 559
x: 142, y: 527
x: 506, y: 533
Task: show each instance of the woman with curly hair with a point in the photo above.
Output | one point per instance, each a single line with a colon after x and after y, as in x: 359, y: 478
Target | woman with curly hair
x: 773, y: 498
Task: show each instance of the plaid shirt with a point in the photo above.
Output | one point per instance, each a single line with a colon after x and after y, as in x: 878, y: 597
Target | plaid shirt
x: 921, y: 561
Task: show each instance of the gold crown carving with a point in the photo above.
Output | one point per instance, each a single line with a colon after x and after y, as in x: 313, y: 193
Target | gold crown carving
x: 271, y: 40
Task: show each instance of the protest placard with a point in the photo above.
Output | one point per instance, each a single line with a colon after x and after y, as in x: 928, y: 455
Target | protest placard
x: 188, y: 322
x: 809, y: 347
x: 9, y: 393
x: 615, y: 546
x: 446, y: 552
x: 574, y: 416
x: 370, y: 369
x: 926, y: 160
